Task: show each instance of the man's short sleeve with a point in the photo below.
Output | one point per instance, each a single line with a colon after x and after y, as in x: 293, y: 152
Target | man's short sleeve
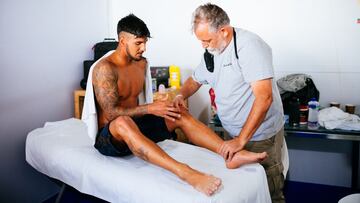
x: 199, y: 75
x: 255, y: 59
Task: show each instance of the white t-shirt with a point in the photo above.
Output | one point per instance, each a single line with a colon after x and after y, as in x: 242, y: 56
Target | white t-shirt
x: 231, y: 81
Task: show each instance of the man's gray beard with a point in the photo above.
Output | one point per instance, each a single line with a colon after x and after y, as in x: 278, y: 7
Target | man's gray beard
x: 214, y: 52
x: 217, y: 51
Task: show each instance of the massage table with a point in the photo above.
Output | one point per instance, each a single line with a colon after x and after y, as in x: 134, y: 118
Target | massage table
x: 62, y: 150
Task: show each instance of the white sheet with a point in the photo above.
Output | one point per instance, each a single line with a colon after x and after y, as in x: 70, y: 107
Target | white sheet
x: 64, y: 151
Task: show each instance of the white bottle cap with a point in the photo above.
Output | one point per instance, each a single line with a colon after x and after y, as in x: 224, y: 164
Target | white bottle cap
x: 162, y: 89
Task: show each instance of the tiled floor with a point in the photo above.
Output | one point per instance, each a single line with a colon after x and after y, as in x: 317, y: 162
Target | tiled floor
x: 295, y: 192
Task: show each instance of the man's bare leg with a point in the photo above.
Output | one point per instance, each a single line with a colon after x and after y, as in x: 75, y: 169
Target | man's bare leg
x: 202, y: 136
x: 125, y: 130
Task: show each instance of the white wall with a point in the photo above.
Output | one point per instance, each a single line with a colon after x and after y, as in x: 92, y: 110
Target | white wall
x: 42, y: 46
x: 320, y: 38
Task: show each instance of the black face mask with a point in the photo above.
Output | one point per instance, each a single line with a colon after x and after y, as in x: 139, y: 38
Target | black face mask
x: 209, y: 58
x: 209, y: 61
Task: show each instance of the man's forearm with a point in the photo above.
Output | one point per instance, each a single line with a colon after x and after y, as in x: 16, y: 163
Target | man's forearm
x: 189, y: 88
x: 132, y: 112
x: 254, y: 120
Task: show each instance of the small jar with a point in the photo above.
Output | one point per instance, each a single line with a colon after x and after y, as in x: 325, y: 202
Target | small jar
x: 304, y: 110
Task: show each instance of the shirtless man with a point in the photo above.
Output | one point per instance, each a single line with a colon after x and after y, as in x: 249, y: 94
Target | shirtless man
x: 125, y: 127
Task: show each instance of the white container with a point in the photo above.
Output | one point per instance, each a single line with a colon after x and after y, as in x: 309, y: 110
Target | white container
x: 313, y: 113
x: 162, y: 89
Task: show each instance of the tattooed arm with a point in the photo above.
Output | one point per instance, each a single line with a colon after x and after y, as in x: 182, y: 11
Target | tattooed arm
x: 107, y: 94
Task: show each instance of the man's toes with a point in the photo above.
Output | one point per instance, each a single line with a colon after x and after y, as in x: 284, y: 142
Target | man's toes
x: 214, y: 187
x: 218, y: 181
x: 263, y: 155
x: 210, y: 191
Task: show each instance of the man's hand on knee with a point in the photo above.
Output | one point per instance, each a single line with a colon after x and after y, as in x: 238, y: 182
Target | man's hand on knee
x: 164, y: 109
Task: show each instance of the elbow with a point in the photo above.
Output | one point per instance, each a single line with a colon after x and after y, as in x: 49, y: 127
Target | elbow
x: 110, y: 117
x: 264, y: 102
x: 268, y: 101
x: 110, y: 114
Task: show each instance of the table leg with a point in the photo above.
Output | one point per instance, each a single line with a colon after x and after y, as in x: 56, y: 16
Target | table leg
x: 355, y: 165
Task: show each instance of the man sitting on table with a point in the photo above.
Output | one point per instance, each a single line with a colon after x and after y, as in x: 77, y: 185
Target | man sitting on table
x: 125, y: 127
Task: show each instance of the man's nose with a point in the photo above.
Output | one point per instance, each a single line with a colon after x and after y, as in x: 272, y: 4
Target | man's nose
x: 143, y: 48
x: 205, y: 45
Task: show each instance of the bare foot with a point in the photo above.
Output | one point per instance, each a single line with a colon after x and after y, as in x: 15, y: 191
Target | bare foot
x: 245, y: 157
x: 207, y: 184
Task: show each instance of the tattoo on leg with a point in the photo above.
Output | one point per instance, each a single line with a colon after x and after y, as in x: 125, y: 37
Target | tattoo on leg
x: 140, y: 152
x: 143, y: 153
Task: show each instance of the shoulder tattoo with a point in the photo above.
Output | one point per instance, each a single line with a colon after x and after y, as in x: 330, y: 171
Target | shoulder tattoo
x: 105, y: 87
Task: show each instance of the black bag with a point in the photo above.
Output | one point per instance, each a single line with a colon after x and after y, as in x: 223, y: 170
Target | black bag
x: 303, y: 95
x: 101, y: 48
x: 87, y: 65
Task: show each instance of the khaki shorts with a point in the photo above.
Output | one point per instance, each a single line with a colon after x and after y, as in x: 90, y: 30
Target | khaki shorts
x: 272, y: 164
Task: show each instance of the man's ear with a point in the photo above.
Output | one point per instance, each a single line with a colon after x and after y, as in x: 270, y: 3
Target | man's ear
x: 224, y: 31
x: 122, y: 40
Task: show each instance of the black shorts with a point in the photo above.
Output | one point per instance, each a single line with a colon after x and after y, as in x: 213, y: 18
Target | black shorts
x: 153, y: 127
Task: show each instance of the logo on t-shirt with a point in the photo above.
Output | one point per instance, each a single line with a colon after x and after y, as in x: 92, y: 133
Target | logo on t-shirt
x: 228, y: 64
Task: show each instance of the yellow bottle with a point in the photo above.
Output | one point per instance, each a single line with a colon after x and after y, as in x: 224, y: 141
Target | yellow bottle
x: 174, y: 73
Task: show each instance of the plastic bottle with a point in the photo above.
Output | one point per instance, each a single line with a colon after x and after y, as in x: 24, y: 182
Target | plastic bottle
x: 313, y: 113
x: 294, y: 114
x: 162, y: 89
x: 162, y: 93
x: 154, y: 85
x: 174, y: 73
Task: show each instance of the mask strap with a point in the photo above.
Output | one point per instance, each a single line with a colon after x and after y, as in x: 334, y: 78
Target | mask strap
x: 235, y: 49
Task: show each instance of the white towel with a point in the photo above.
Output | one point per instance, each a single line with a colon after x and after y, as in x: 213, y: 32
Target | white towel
x: 89, y: 115
x: 333, y: 117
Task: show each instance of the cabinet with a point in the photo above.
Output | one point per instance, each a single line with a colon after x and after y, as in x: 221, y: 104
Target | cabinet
x: 79, y: 96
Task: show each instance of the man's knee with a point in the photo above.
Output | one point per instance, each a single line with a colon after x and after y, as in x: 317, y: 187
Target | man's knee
x: 121, y: 125
x: 185, y: 118
x: 185, y: 115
